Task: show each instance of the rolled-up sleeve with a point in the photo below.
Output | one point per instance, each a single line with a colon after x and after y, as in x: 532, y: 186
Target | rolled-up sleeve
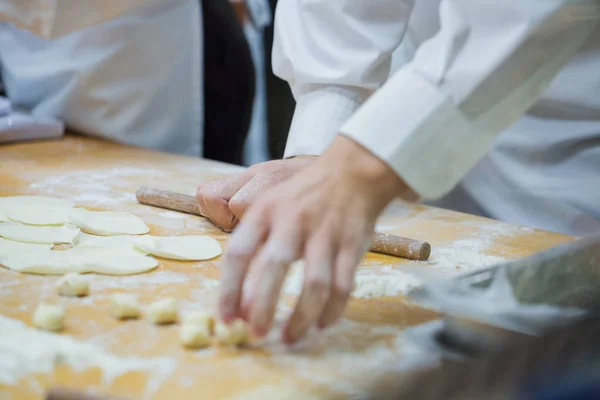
x: 334, y: 54
x: 439, y: 114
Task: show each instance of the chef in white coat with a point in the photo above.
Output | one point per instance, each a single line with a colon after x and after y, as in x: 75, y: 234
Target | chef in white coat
x: 128, y: 70
x: 528, y: 69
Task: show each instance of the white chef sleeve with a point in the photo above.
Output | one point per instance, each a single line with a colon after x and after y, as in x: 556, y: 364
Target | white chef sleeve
x: 439, y: 114
x: 334, y: 54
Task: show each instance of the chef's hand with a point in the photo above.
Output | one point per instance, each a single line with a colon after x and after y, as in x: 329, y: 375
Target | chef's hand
x: 225, y: 201
x: 324, y: 214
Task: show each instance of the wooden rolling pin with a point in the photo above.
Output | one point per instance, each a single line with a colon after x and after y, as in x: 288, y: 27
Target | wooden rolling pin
x: 382, y: 243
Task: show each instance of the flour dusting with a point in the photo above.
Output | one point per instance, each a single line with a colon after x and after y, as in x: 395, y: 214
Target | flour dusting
x: 44, y: 351
x: 100, y: 187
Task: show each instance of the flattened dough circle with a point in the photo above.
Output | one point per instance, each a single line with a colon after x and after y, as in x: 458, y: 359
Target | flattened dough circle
x: 191, y: 248
x: 38, y: 234
x: 37, y: 210
x: 107, y: 223
x: 8, y: 247
x: 83, y: 260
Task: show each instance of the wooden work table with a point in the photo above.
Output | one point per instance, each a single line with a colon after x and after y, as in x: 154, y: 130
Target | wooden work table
x: 335, y: 364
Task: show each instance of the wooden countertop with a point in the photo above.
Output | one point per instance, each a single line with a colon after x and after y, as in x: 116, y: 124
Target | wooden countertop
x: 340, y: 362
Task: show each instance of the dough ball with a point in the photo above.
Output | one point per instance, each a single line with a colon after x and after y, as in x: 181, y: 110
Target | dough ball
x: 195, y: 336
x: 73, y: 284
x: 124, y: 306
x: 236, y: 333
x: 200, y: 319
x: 162, y: 311
x: 49, y: 317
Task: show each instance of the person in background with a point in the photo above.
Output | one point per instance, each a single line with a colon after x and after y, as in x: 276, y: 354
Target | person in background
x: 164, y: 75
x: 524, y: 68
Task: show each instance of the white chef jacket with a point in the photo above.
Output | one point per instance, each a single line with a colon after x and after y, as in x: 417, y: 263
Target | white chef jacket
x: 128, y: 70
x: 436, y: 117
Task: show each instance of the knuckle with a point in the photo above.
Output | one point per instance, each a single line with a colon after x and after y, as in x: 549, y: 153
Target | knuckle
x: 318, y: 285
x: 235, y: 252
x: 342, y: 290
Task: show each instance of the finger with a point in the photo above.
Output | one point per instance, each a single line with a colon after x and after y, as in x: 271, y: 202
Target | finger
x: 316, y: 288
x: 282, y: 248
x: 243, y: 245
x: 213, y: 198
x: 247, y: 195
x: 348, y: 258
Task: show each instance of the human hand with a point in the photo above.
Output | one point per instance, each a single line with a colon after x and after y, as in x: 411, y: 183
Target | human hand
x: 225, y: 201
x: 324, y: 214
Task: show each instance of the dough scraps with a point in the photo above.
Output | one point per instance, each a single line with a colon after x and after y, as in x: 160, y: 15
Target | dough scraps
x: 190, y: 248
x: 107, y: 223
x: 109, y: 261
x: 49, y: 317
x: 119, y: 241
x: 37, y: 210
x: 38, y: 234
x: 8, y: 247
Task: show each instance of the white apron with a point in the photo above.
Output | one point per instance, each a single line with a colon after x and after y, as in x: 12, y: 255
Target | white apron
x: 126, y: 70
x: 544, y: 171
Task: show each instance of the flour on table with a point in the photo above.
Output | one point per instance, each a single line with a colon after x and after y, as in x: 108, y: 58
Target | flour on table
x: 108, y: 223
x: 109, y: 261
x: 370, y: 283
x: 38, y: 234
x: 194, y: 247
x: 44, y: 351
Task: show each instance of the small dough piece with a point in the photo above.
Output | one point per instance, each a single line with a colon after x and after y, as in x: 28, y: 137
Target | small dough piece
x: 38, y: 234
x: 234, y: 334
x: 195, y: 336
x: 49, y: 317
x: 113, y: 242
x: 82, y: 260
x: 162, y: 312
x: 124, y: 306
x: 73, y: 284
x: 9, y: 247
x: 107, y: 223
x: 189, y: 248
x: 201, y: 319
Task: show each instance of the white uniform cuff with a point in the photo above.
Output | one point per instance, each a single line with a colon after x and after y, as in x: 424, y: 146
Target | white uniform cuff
x: 418, y: 130
x: 318, y: 118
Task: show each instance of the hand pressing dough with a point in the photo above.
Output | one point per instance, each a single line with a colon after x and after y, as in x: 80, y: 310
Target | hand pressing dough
x: 73, y: 284
x: 107, y: 223
x: 8, y: 247
x: 180, y: 247
x: 124, y: 306
x: 37, y: 210
x: 195, y: 336
x: 82, y: 260
x: 49, y: 317
x: 162, y: 312
x: 38, y: 234
x: 234, y: 334
x: 118, y: 242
